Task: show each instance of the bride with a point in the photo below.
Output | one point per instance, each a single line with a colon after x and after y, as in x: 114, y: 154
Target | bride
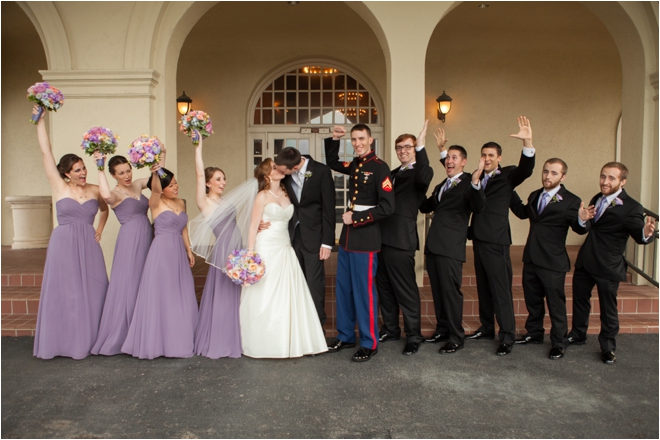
x: 277, y: 315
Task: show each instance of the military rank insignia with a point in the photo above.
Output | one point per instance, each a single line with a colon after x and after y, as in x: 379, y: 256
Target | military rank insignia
x: 387, y: 184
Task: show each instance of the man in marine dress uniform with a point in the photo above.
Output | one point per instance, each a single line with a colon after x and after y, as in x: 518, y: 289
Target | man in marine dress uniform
x: 396, y: 278
x: 551, y: 210
x: 370, y: 199
x: 600, y: 260
x: 491, y: 238
x: 452, y: 202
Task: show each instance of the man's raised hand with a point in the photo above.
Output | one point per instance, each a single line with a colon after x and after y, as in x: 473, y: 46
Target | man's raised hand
x: 421, y: 139
x: 440, y: 139
x: 649, y: 227
x: 524, y: 132
x: 338, y: 132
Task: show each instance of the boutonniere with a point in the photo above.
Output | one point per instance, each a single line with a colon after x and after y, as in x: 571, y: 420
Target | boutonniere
x: 308, y: 174
x: 616, y: 202
x: 556, y: 198
x: 454, y: 183
x: 495, y: 173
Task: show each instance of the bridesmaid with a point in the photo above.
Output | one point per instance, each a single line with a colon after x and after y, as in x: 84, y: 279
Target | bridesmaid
x: 131, y: 248
x: 219, y: 332
x: 75, y: 280
x: 166, y: 314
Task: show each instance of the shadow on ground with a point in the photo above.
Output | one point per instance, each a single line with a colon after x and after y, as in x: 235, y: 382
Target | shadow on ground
x: 471, y: 394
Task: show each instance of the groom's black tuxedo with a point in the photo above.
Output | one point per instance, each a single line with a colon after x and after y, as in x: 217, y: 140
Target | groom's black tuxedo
x: 546, y: 260
x: 313, y: 224
x: 395, y: 276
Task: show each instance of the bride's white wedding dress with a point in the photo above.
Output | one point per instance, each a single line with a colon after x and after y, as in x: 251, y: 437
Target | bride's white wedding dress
x: 278, y: 317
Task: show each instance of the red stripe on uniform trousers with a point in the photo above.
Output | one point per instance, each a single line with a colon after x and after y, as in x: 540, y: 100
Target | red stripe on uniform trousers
x: 371, y: 299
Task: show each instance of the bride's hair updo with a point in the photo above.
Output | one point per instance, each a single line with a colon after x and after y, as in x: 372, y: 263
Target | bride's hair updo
x: 262, y: 173
x: 66, y: 164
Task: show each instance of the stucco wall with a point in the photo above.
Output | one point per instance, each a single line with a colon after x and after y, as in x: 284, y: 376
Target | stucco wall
x: 234, y: 46
x: 22, y: 169
x: 555, y: 63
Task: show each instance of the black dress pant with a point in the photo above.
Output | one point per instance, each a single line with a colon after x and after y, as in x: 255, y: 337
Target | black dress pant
x: 492, y: 264
x: 446, y: 276
x: 540, y: 283
x: 314, y: 270
x: 397, y: 290
x: 583, y: 284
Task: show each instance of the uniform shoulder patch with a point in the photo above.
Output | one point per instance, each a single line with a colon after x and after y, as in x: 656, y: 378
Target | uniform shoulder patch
x: 387, y: 184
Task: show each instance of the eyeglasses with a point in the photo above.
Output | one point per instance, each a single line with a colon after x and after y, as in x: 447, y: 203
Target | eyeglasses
x: 402, y: 147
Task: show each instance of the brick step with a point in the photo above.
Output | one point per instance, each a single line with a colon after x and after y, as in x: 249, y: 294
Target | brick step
x: 638, y: 308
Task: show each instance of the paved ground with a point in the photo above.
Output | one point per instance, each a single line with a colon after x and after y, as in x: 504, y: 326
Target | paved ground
x: 472, y: 394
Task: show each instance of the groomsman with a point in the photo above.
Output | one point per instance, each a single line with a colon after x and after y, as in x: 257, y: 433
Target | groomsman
x: 395, y: 278
x: 371, y: 199
x: 600, y: 260
x: 312, y: 227
x: 491, y: 237
x: 551, y: 210
x: 451, y: 202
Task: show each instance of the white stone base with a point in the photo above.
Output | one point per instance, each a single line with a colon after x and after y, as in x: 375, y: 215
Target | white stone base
x: 32, y: 221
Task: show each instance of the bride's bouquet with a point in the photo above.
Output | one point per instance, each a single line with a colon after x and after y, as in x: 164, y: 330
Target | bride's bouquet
x: 195, y: 124
x: 46, y: 96
x: 145, y: 151
x: 244, y: 267
x: 99, y: 139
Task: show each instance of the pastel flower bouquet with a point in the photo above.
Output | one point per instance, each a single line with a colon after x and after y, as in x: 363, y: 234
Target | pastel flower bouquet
x: 196, y: 124
x: 146, y: 151
x: 46, y: 96
x: 99, y: 139
x: 244, y: 267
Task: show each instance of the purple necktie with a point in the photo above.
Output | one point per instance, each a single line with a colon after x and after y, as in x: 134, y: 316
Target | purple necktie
x: 601, y: 208
x: 544, y: 202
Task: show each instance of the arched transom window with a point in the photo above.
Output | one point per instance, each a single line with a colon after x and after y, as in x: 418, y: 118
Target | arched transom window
x: 315, y: 95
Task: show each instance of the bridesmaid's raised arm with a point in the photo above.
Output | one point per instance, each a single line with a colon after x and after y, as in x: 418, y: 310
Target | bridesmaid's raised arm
x: 50, y: 166
x: 200, y: 188
x: 104, y: 188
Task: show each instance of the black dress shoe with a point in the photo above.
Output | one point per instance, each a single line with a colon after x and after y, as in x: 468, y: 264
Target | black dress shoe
x: 503, y: 350
x: 437, y: 337
x: 479, y: 335
x: 450, y: 348
x: 608, y: 357
x: 338, y: 344
x: 572, y: 340
x: 527, y: 339
x: 556, y: 352
x: 363, y: 354
x: 411, y: 348
x: 388, y: 337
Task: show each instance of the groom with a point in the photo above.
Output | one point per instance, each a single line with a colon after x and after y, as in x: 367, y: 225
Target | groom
x: 312, y: 227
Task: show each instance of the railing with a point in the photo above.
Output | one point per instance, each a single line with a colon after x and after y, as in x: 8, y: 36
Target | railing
x: 641, y: 255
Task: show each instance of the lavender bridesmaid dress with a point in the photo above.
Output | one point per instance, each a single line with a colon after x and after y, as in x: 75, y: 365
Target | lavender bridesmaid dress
x: 166, y: 312
x: 74, y: 284
x: 131, y: 250
x: 219, y: 331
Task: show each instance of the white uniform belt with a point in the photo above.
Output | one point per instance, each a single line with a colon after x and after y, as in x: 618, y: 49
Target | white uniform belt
x: 362, y: 207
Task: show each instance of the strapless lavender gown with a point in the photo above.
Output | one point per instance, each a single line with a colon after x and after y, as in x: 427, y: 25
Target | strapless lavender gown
x: 219, y: 331
x: 74, y: 285
x: 131, y: 250
x: 166, y: 312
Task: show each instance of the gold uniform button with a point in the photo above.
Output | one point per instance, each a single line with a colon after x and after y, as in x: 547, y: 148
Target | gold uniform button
x: 361, y: 165
x: 354, y: 198
x: 361, y: 219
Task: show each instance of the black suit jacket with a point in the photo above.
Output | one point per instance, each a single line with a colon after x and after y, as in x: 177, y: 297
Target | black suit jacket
x: 602, y: 252
x: 449, y: 227
x: 316, y: 209
x: 546, y: 241
x: 400, y: 229
x: 492, y: 224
